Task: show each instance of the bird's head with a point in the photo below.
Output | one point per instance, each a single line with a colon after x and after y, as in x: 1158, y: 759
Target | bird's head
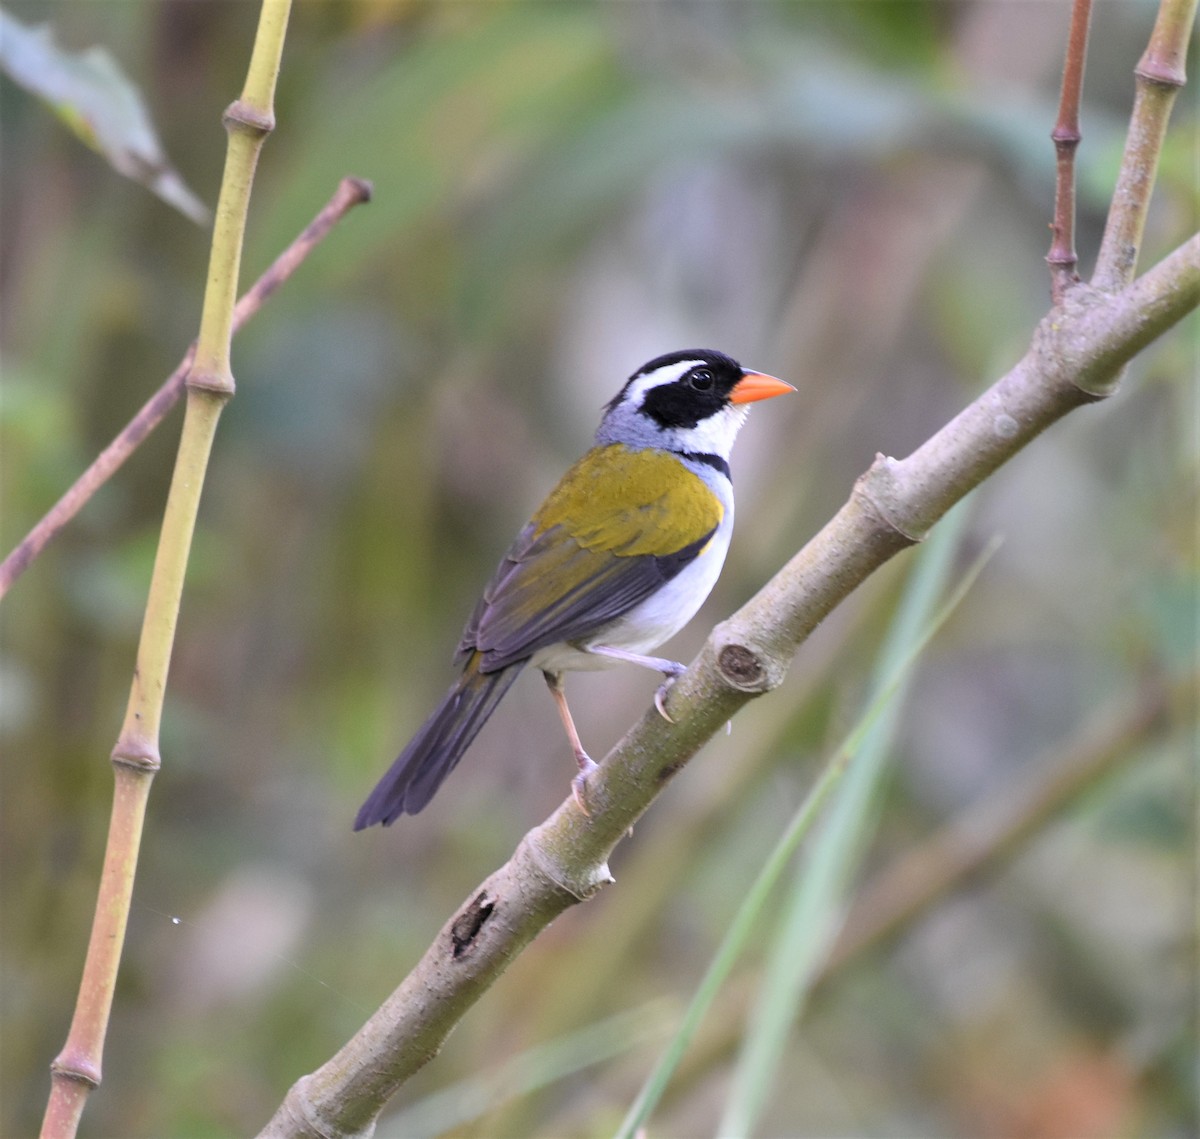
x: 691, y: 401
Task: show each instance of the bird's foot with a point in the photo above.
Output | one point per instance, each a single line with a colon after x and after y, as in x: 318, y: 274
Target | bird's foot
x: 579, y: 784
x: 660, y: 695
x: 672, y: 674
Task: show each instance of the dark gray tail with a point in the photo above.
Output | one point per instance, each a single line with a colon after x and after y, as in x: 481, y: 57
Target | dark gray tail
x: 432, y: 753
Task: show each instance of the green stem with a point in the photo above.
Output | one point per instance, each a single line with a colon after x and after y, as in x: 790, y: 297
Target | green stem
x: 77, y: 1068
x: 248, y: 121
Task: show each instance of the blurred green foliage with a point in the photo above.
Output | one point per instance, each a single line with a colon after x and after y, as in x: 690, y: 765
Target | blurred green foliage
x: 853, y: 196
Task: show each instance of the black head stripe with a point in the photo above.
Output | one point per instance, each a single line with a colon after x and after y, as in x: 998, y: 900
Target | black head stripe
x: 709, y: 356
x: 678, y: 404
x: 681, y: 403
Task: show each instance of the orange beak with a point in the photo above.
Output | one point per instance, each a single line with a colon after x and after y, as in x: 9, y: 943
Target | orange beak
x: 757, y: 385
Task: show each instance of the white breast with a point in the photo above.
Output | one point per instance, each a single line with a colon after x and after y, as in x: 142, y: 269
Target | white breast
x: 661, y: 615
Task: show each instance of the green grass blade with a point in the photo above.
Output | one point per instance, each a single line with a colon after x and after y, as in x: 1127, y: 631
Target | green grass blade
x: 730, y: 949
x: 825, y: 874
x: 750, y: 909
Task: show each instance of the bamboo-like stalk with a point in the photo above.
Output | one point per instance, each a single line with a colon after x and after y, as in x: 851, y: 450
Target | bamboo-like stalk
x: 1062, y: 257
x: 1160, y: 75
x: 135, y: 758
x: 350, y: 192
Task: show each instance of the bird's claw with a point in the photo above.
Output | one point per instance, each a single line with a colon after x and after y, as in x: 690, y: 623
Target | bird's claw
x: 660, y: 694
x: 579, y: 784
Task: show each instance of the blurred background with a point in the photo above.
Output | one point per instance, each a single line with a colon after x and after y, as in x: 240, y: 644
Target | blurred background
x: 852, y: 196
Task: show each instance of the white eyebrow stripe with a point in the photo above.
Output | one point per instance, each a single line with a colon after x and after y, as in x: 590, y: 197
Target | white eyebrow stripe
x: 667, y: 374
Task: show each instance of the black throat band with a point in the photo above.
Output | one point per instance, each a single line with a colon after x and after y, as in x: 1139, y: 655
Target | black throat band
x: 709, y: 460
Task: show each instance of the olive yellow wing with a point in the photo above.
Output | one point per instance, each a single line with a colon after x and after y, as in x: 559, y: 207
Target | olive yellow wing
x: 619, y: 525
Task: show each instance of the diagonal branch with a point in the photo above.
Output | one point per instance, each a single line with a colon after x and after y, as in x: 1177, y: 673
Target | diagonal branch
x: 350, y: 192
x: 1076, y: 356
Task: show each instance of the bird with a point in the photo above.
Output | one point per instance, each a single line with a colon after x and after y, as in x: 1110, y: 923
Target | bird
x: 616, y: 560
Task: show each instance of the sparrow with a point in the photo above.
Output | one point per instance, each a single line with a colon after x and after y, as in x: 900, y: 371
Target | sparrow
x: 616, y: 561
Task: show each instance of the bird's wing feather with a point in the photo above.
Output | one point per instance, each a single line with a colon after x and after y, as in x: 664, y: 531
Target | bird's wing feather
x: 619, y: 525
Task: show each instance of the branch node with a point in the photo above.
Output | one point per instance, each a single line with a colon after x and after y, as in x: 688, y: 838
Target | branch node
x: 741, y: 667
x: 1162, y: 74
x: 744, y: 665
x: 875, y: 488
x: 76, y: 1068
x: 242, y: 116
x: 208, y: 380
x: 136, y: 752
x: 1056, y: 345
x: 580, y: 884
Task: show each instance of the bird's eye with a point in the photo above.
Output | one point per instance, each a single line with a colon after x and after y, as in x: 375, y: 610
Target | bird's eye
x: 701, y: 379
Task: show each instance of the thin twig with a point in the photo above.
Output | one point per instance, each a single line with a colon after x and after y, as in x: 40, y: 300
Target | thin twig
x: 350, y: 192
x: 1160, y: 74
x: 1062, y: 256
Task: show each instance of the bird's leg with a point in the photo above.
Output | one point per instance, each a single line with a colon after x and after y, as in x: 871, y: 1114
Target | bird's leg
x: 586, y: 764
x: 671, y: 669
